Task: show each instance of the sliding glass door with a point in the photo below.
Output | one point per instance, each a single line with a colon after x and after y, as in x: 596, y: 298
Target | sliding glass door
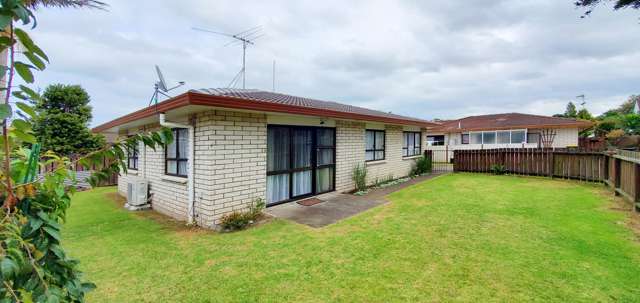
x: 302, y: 168
x: 300, y: 162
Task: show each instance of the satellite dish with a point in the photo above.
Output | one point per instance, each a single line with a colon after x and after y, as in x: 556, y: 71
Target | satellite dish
x: 162, y: 85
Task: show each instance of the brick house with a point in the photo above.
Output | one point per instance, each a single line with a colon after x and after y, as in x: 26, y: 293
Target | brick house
x: 233, y: 146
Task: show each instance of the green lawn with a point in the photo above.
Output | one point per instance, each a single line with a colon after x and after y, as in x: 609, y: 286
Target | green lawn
x: 458, y: 237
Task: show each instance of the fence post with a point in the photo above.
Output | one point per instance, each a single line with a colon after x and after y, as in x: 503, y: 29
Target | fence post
x: 616, y: 171
x: 552, y: 163
x: 636, y: 185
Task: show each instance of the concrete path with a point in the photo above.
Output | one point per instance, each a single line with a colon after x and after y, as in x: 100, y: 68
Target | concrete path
x: 337, y: 206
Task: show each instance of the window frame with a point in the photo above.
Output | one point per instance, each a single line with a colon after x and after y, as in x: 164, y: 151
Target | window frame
x: 178, y: 158
x: 374, y: 150
x: 462, y: 136
x: 405, y: 146
x: 135, y: 157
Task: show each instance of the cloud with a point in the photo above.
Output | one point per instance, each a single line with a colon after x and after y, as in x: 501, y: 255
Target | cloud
x: 429, y: 59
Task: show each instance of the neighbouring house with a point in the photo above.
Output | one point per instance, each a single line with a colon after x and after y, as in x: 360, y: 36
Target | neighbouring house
x: 234, y: 146
x: 511, y: 130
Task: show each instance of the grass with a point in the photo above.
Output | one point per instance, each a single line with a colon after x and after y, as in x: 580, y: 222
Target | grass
x: 456, y: 238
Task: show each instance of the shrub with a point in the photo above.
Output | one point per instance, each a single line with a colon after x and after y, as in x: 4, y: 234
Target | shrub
x: 238, y: 220
x: 498, y: 169
x: 422, y: 166
x: 359, y: 176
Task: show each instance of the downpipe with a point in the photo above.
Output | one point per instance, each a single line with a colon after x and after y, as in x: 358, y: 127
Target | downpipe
x: 190, y: 164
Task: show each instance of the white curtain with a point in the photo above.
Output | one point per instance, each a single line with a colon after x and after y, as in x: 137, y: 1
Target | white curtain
x: 277, y: 188
x: 301, y: 183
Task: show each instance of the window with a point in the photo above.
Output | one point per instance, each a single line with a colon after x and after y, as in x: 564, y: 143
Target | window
x: 132, y: 158
x: 177, y: 153
x: 488, y: 138
x: 435, y: 140
x: 465, y: 139
x: 517, y: 136
x: 496, y: 137
x: 504, y: 137
x: 412, y: 144
x: 374, y: 145
x: 533, y: 138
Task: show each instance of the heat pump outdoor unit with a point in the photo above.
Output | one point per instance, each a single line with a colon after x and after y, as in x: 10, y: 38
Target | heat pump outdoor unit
x: 137, y: 189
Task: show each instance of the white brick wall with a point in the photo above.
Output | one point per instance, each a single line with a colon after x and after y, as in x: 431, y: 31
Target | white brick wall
x: 168, y: 197
x: 350, y: 146
x: 349, y: 152
x: 230, y: 164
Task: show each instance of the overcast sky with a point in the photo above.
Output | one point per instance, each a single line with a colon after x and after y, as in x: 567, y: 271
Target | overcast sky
x: 427, y: 59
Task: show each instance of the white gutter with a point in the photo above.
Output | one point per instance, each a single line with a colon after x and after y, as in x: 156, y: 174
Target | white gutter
x: 190, y: 166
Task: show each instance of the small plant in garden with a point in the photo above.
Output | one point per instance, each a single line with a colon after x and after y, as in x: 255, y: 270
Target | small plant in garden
x: 422, y: 166
x: 238, y: 220
x: 359, y: 176
x: 498, y: 169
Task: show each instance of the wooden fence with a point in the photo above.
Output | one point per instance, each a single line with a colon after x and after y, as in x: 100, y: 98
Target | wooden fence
x: 83, y: 173
x: 618, y: 169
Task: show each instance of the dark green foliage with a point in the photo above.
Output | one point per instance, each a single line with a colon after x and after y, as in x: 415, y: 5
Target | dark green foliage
x: 33, y: 265
x: 571, y: 111
x: 240, y: 220
x: 64, y: 114
x: 618, y: 4
x: 422, y: 166
x: 498, y: 169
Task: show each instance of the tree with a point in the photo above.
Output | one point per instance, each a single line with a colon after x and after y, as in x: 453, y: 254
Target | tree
x: 631, y: 124
x: 63, y: 120
x: 625, y: 108
x: 34, y: 267
x: 618, y: 4
x: 584, y: 114
x: 569, y: 112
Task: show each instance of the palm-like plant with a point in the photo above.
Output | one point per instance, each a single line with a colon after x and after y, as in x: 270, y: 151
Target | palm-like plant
x: 66, y: 3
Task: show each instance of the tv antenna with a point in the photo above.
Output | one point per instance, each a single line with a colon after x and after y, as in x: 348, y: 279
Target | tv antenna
x: 244, y: 38
x: 160, y: 88
x: 582, y: 97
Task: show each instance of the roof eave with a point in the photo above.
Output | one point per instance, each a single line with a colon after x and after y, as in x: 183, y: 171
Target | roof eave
x: 195, y: 98
x: 579, y: 125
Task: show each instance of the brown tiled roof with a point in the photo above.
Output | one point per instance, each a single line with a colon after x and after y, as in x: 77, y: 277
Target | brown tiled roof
x: 271, y: 97
x: 250, y: 99
x: 509, y: 121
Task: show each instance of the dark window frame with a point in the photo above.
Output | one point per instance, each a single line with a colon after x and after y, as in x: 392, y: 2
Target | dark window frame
x: 132, y: 158
x: 462, y: 136
x: 375, y: 150
x: 178, y: 158
x: 405, y: 146
x: 314, y: 167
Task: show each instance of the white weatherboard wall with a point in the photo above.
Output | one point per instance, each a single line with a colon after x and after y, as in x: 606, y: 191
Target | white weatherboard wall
x: 565, y: 137
x: 230, y: 162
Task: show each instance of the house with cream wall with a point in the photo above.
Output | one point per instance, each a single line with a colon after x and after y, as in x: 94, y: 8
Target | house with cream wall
x: 233, y: 146
x: 510, y: 130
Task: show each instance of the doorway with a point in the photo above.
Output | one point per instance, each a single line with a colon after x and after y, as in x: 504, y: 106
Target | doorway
x: 300, y: 162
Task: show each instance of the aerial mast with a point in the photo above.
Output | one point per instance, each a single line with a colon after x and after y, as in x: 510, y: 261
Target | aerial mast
x: 247, y: 37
